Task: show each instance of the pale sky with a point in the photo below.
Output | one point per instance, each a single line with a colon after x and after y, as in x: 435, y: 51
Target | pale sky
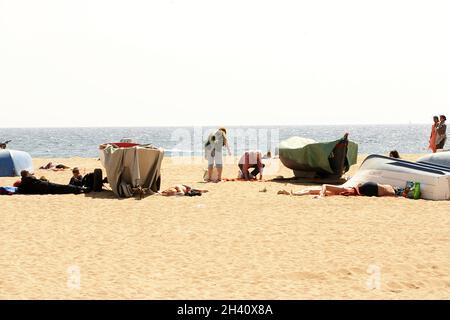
x: 189, y: 62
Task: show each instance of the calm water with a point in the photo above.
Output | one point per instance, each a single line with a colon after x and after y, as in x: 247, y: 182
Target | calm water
x: 83, y: 142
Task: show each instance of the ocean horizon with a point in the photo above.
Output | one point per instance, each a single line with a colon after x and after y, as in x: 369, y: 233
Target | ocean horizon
x: 65, y: 142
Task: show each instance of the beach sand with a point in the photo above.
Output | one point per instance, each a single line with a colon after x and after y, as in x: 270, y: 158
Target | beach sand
x: 234, y: 242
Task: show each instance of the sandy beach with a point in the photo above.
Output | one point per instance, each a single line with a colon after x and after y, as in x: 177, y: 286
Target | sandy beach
x: 234, y: 242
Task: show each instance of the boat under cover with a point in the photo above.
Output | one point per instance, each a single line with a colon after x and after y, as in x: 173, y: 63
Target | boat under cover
x: 308, y: 158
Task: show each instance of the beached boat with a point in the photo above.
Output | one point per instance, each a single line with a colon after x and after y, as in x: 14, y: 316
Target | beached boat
x: 434, y: 179
x: 309, y: 159
x: 439, y: 158
x: 132, y: 168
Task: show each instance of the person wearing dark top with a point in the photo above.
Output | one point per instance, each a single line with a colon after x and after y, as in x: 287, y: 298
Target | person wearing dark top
x: 31, y: 185
x: 77, y: 178
x: 441, y: 129
x: 394, y: 154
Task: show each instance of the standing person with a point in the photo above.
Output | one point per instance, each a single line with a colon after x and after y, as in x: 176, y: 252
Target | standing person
x: 441, y: 130
x: 251, y: 159
x: 433, y: 134
x: 213, y: 152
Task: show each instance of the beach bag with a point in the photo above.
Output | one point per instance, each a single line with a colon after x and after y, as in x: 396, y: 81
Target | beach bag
x: 93, y: 180
x: 88, y: 180
x: 412, y: 190
x: 125, y: 190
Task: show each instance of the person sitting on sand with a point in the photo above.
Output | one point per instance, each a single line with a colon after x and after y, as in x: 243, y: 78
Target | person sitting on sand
x: 77, y: 178
x: 251, y: 160
x: 29, y: 184
x: 394, y: 154
x: 369, y: 189
x: 182, y: 190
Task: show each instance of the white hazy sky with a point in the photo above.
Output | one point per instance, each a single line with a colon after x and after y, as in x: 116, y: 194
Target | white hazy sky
x: 190, y: 62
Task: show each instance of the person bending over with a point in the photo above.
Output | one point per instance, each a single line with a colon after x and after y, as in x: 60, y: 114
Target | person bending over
x: 214, y: 152
x: 369, y: 189
x: 251, y: 160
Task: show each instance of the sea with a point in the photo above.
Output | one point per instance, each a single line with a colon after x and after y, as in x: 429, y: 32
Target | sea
x: 188, y: 141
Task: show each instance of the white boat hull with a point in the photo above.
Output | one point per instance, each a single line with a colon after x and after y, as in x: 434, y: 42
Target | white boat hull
x: 434, y: 179
x: 439, y: 158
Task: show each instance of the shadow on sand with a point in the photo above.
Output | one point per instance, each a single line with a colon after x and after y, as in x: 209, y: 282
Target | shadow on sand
x: 309, y: 181
x: 108, y: 194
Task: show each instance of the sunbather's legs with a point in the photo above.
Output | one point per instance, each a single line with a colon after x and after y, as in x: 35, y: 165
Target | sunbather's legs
x: 306, y: 192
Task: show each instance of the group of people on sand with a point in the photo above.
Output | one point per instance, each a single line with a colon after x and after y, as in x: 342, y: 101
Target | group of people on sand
x: 29, y: 184
x: 250, y: 163
x: 438, y: 135
x: 252, y: 160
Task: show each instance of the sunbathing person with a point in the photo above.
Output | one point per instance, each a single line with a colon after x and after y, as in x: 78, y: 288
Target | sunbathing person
x: 182, y: 190
x: 369, y: 189
x: 51, y: 166
x: 29, y: 184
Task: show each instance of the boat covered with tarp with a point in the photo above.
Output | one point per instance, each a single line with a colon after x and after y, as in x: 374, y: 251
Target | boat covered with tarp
x: 132, y: 168
x: 310, y: 159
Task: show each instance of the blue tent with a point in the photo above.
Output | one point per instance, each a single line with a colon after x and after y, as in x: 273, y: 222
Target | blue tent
x: 13, y: 161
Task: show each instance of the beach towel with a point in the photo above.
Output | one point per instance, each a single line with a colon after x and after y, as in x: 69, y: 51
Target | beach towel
x: 8, y: 191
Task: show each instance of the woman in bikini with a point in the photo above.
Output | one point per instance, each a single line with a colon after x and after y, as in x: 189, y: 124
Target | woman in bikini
x: 369, y: 189
x: 182, y: 190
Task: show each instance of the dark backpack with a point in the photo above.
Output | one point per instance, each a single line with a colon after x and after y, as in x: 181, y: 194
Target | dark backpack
x: 93, y: 180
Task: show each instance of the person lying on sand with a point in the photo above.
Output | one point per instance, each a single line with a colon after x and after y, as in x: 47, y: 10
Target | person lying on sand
x: 182, y: 190
x: 369, y: 189
x: 51, y: 166
x: 29, y: 184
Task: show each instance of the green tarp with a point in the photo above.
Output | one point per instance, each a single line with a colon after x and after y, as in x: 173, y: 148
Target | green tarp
x: 307, y: 152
